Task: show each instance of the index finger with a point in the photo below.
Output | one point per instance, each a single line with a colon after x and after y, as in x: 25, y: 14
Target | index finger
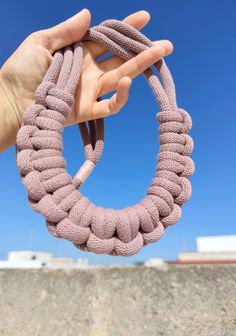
x: 134, y: 66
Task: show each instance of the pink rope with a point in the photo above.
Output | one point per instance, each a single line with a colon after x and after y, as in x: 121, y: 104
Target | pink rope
x: 54, y: 193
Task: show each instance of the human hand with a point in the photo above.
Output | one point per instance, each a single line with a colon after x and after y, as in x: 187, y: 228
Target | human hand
x: 25, y: 69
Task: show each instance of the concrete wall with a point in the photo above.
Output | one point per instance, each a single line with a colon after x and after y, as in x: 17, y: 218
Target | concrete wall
x: 130, y: 301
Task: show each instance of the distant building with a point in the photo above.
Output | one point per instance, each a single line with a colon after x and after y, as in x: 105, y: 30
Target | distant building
x: 216, y: 244
x: 154, y: 262
x: 35, y: 259
x: 211, y: 250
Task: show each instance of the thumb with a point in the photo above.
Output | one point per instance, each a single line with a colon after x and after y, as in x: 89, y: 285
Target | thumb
x: 67, y: 32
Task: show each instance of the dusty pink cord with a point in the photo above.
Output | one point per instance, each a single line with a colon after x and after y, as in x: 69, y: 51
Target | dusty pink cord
x: 54, y: 193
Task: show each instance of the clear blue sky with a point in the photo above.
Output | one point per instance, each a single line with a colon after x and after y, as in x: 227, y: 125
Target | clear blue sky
x: 204, y: 68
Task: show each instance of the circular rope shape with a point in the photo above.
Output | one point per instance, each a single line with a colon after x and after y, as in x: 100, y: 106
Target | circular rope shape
x: 55, y: 194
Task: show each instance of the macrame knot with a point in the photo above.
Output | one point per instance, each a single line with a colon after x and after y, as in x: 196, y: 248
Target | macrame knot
x: 42, y: 92
x: 54, y: 98
x: 53, y: 193
x: 186, y: 120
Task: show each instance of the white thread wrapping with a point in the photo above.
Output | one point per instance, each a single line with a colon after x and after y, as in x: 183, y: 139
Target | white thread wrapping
x: 84, y: 171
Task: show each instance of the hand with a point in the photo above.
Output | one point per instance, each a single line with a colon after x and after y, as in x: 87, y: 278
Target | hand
x: 24, y: 71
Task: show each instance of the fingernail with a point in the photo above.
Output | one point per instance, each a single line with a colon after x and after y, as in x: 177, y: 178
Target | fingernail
x: 167, y: 45
x: 161, y: 49
x: 78, y: 14
x: 85, y: 10
x: 146, y: 13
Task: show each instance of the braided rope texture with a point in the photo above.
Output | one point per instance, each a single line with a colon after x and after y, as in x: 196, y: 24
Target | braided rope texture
x: 53, y: 193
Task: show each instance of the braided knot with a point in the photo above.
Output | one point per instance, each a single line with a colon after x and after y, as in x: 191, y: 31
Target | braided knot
x: 48, y: 89
x: 54, y: 193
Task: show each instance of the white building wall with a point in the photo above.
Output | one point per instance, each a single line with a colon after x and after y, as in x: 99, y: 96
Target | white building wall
x: 216, y: 244
x: 20, y: 264
x: 37, y: 259
x: 29, y: 255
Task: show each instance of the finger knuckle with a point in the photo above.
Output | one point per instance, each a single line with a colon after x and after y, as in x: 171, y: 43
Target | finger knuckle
x: 38, y: 36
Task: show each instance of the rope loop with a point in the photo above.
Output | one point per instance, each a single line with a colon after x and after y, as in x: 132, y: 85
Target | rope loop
x: 53, y: 193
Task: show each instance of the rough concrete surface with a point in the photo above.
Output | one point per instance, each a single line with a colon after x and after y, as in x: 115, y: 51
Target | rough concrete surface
x: 139, y: 301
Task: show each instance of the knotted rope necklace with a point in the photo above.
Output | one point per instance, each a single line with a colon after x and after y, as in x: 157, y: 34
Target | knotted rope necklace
x: 55, y: 194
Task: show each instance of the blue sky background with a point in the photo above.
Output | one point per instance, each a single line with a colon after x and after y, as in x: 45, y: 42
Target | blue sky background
x: 203, y: 65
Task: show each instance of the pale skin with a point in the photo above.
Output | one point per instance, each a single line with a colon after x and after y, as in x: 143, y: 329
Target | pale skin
x: 24, y: 71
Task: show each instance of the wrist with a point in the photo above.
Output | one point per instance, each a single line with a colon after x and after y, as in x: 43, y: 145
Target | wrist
x: 9, y: 117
